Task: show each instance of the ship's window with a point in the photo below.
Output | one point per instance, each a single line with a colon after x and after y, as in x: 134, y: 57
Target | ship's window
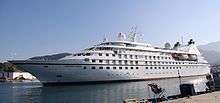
x: 146, y: 67
x: 150, y: 57
x: 86, y: 59
x: 120, y: 67
x: 107, y: 61
x: 167, y: 67
x: 107, y: 54
x: 145, y: 57
x: 180, y: 67
x: 154, y: 57
x: 120, y: 62
x: 119, y: 55
x: 100, y: 61
x: 131, y: 56
x: 136, y: 62
x: 113, y: 61
x: 161, y: 57
x: 84, y: 67
x: 126, y: 67
x: 170, y: 67
x: 145, y: 62
x: 137, y: 67
x: 163, y: 67
x: 88, y: 54
x: 131, y: 62
x: 132, y: 68
x: 113, y: 55
x: 114, y: 67
x: 151, y: 67
x: 107, y: 67
x: 100, y: 67
x: 158, y: 57
x: 125, y: 56
x: 165, y: 57
x: 126, y: 62
x: 136, y: 57
x: 93, y: 60
x: 93, y: 67
x: 159, y: 67
x: 155, y: 67
x: 100, y: 54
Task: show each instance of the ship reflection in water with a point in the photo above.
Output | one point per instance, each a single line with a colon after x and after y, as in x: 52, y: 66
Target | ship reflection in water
x: 92, y: 93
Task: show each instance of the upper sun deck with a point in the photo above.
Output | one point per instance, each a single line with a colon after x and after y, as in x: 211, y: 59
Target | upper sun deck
x: 128, y: 45
x: 124, y: 43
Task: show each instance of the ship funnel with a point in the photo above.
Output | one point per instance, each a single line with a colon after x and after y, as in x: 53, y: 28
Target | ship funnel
x: 191, y: 41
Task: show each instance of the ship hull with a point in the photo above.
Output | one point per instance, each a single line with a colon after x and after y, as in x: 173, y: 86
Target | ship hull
x: 59, y: 73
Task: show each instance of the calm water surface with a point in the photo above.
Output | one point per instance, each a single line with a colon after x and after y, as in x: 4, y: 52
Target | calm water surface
x: 94, y: 93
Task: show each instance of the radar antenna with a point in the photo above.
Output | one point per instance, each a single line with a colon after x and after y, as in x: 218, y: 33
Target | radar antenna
x: 105, y: 38
x: 132, y: 34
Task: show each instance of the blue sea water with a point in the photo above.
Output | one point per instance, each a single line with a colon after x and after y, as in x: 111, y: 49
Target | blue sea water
x: 34, y: 92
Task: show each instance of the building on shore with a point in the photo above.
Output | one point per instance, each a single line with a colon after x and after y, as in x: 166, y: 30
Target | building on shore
x: 14, y: 75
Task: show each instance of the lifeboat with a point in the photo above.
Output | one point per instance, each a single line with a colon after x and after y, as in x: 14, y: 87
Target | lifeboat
x: 193, y: 57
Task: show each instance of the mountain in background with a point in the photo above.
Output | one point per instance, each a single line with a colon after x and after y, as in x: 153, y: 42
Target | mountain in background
x: 213, y: 57
x: 214, y: 46
x: 211, y: 52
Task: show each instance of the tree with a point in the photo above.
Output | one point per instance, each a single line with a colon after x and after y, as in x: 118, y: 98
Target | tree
x: 1, y: 67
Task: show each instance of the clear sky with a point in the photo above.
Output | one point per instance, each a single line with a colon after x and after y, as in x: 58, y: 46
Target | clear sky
x: 39, y: 27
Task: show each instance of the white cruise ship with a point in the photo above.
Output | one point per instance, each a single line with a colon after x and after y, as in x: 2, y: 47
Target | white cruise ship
x: 120, y: 60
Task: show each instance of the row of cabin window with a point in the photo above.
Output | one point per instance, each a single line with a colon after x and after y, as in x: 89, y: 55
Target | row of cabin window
x: 136, y: 67
x: 137, y: 56
x: 114, y: 61
x: 136, y: 62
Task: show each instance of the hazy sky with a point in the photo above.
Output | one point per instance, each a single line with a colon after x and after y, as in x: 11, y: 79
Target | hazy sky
x: 38, y: 27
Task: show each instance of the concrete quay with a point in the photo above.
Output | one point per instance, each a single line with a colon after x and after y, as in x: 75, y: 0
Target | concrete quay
x: 213, y: 97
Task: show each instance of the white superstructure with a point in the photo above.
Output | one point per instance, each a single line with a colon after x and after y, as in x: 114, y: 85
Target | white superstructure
x: 121, y: 60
